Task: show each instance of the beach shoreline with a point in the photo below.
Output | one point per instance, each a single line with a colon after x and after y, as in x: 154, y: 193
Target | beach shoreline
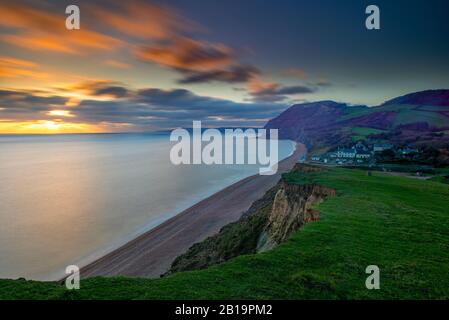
x: 151, y: 254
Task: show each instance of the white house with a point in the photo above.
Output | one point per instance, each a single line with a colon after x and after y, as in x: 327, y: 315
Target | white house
x: 359, y: 146
x: 382, y: 147
x: 346, y: 153
x: 363, y: 155
x: 409, y: 150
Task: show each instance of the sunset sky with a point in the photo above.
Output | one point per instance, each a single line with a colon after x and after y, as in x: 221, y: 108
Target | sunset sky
x: 152, y: 65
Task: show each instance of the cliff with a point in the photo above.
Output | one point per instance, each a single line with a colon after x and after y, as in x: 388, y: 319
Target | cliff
x: 269, y: 222
x: 292, y: 208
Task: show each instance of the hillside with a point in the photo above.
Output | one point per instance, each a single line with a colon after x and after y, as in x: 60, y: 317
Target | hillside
x: 427, y: 97
x: 398, y: 223
x: 417, y: 119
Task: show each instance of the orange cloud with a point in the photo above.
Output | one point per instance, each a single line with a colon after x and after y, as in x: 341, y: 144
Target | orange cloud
x: 144, y: 20
x: 17, y: 62
x: 15, y: 73
x: 267, y: 91
x: 13, y: 68
x: 38, y: 42
x: 75, y: 42
x: 93, y: 40
x: 173, y: 46
x: 22, y: 16
x: 188, y: 54
x: 257, y: 85
x: 42, y: 30
x: 169, y: 32
x: 117, y: 64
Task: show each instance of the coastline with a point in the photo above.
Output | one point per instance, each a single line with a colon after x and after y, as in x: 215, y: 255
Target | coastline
x: 151, y: 254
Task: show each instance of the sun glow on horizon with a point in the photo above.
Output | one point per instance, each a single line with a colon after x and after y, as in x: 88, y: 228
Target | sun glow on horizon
x: 48, y: 127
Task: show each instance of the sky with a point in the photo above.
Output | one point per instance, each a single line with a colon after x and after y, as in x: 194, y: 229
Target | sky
x: 157, y: 65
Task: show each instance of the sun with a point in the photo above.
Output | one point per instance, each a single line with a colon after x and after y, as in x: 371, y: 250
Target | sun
x: 51, y: 125
x: 45, y: 125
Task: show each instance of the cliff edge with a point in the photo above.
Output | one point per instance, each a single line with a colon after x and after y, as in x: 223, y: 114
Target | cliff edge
x: 269, y: 222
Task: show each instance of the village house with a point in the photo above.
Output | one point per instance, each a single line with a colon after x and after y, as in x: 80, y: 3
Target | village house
x: 359, y: 146
x: 382, y: 147
x: 358, y: 153
x: 363, y: 155
x: 406, y: 151
x: 346, y: 153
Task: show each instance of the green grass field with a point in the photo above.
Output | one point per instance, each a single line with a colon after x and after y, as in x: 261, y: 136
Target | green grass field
x: 361, y: 133
x: 354, y: 112
x: 397, y: 223
x: 412, y: 116
x: 405, y: 114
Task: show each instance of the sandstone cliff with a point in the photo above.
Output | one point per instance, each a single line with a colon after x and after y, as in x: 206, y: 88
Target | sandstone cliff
x: 292, y: 208
x: 269, y: 221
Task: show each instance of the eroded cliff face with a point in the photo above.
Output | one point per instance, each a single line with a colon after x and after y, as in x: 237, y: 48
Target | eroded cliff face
x: 234, y: 239
x: 270, y: 221
x: 291, y: 209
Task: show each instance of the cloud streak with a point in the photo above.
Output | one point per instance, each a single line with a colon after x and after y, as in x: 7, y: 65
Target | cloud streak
x: 143, y: 20
x: 185, y: 54
x: 42, y: 30
x: 275, y: 92
x: 15, y: 68
x: 234, y: 74
x: 97, y: 88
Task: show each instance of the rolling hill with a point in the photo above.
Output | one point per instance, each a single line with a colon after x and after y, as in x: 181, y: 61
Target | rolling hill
x: 416, y: 119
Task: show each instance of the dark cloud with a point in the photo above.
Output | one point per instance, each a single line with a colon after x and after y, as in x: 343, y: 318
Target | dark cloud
x: 181, y: 100
x: 99, y: 88
x: 173, y: 108
x: 293, y: 90
x: 22, y: 105
x: 144, y: 109
x: 198, y: 61
x: 4, y: 94
x: 235, y: 74
x: 323, y: 83
x: 114, y: 91
x: 23, y: 98
x: 185, y: 54
x: 275, y: 92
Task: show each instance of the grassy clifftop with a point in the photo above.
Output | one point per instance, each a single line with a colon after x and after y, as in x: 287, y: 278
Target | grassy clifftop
x: 398, y: 223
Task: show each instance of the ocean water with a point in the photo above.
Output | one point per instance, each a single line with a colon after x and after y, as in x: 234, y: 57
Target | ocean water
x: 69, y: 199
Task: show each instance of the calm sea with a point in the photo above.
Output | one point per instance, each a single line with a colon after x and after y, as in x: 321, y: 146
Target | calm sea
x: 68, y: 199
